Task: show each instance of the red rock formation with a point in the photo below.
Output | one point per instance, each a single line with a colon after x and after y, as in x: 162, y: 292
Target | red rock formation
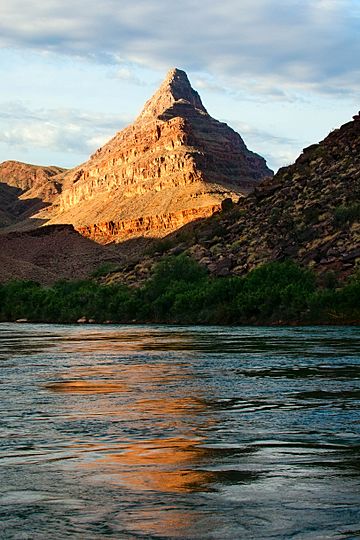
x: 34, y: 180
x: 172, y: 165
x: 153, y: 226
x: 25, y: 189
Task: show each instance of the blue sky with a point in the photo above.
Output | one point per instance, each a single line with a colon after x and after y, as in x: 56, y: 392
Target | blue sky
x: 283, y: 73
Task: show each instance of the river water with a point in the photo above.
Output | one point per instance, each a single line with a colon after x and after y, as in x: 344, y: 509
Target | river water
x: 179, y: 432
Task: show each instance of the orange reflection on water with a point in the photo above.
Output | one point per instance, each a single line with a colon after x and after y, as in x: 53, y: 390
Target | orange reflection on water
x: 87, y: 387
x: 145, y: 400
x: 93, y: 340
x: 133, y: 373
x: 120, y: 377
x: 146, y: 389
x: 169, y: 406
x: 179, y: 481
x: 159, y: 451
x: 159, y: 465
x: 170, y: 522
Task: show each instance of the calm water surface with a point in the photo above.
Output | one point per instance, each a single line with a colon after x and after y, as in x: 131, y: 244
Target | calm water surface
x: 169, y: 432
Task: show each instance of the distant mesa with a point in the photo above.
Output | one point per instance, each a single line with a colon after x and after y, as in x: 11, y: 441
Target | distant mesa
x: 173, y: 165
x: 26, y: 189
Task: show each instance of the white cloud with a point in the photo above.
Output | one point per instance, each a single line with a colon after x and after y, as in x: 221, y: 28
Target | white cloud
x: 278, y: 150
x: 266, y: 62
x: 127, y: 74
x: 288, y: 45
x: 60, y: 130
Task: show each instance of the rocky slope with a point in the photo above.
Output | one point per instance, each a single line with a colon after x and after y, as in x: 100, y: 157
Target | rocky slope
x: 173, y: 164
x: 34, y: 179
x: 308, y: 212
x: 25, y: 189
x: 48, y: 254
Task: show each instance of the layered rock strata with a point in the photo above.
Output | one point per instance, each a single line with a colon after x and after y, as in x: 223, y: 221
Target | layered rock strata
x: 174, y: 163
x: 104, y: 233
x: 310, y: 213
x: 25, y: 189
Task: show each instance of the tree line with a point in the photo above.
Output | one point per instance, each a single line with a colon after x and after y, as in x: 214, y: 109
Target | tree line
x: 180, y: 291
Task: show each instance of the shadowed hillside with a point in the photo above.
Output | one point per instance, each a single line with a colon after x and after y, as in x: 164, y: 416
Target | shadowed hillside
x: 308, y: 212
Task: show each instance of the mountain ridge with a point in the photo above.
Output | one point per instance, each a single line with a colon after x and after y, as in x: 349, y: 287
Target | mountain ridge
x: 26, y: 189
x: 308, y: 212
x: 174, y: 157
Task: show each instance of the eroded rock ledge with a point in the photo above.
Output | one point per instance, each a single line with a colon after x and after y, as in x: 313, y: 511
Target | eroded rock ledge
x: 154, y: 226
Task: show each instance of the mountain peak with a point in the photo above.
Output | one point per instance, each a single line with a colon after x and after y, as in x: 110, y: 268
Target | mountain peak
x: 175, y: 90
x: 176, y: 73
x: 174, y: 164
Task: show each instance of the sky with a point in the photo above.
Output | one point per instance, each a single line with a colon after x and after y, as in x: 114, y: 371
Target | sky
x: 283, y: 73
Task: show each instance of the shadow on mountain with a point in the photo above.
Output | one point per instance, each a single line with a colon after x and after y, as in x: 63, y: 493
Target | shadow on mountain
x: 16, y: 212
x: 53, y: 252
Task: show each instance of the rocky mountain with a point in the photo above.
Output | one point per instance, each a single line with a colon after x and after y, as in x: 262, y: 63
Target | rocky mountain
x: 25, y: 189
x: 34, y: 180
x: 308, y: 212
x: 174, y: 164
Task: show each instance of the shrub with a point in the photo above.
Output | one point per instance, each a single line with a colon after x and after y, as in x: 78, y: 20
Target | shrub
x: 347, y: 214
x: 104, y: 269
x: 181, y: 291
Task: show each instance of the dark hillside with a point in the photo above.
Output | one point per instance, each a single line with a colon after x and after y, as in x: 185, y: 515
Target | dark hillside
x: 308, y: 212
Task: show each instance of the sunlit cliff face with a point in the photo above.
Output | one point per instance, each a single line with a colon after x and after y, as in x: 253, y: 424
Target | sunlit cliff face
x: 172, y: 165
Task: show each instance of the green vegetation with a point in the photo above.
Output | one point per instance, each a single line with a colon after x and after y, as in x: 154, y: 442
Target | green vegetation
x: 105, y: 269
x: 181, y: 291
x: 160, y: 246
x: 347, y: 214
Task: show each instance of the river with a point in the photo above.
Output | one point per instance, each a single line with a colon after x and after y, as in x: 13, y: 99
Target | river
x: 179, y: 432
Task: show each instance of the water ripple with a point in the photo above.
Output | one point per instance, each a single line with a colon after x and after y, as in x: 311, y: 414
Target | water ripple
x: 179, y: 432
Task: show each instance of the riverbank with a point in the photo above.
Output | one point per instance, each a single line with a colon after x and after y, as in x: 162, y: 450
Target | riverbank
x: 181, y: 292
